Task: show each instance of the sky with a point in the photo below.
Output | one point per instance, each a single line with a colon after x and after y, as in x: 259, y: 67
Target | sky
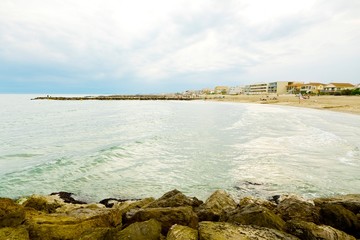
x: 161, y: 46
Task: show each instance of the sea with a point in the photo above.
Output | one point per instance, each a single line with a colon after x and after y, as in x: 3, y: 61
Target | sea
x: 137, y: 149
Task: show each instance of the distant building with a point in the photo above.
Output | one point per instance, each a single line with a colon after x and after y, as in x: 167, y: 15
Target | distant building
x: 337, y: 87
x: 221, y: 90
x: 277, y: 87
x: 236, y: 90
x: 207, y: 91
x: 294, y: 87
x: 312, y: 88
x: 258, y: 88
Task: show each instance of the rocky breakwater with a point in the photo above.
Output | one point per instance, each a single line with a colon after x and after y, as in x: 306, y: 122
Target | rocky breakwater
x: 175, y: 216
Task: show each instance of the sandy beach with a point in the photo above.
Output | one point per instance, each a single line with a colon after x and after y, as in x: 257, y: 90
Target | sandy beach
x: 348, y: 104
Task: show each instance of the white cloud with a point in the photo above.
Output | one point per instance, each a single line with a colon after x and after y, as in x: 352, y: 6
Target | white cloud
x: 160, y: 40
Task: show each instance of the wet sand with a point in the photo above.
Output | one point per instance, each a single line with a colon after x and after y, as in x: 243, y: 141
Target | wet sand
x: 348, y: 104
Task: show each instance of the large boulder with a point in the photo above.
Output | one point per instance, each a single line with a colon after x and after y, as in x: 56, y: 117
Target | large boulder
x: 228, y: 231
x: 166, y: 216
x: 311, y: 231
x: 341, y: 218
x: 254, y: 215
x: 351, y: 202
x: 11, y: 213
x: 147, y: 230
x: 72, y: 222
x: 47, y: 204
x: 297, y: 208
x: 175, y: 198
x: 217, y: 204
x: 97, y: 234
x: 257, y: 201
x: 9, y: 233
x: 178, y: 232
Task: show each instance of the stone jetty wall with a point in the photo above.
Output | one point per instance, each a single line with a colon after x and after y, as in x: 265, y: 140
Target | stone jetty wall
x: 175, y: 216
x: 121, y: 97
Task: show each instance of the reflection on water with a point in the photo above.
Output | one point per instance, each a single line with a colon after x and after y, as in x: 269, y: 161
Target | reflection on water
x: 133, y: 149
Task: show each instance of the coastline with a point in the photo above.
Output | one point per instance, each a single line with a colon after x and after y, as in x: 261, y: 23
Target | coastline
x: 346, y: 104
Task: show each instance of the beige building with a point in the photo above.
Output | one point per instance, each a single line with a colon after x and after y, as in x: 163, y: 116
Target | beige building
x: 258, y: 88
x: 312, y: 88
x: 337, y: 87
x: 277, y: 87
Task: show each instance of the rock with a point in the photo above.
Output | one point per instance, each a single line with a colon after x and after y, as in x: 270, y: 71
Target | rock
x: 340, y: 218
x: 311, y: 231
x: 72, y: 222
x: 166, y: 216
x: 228, y: 231
x: 218, y: 203
x: 175, y: 198
x: 148, y: 230
x: 259, y: 202
x: 351, y: 202
x: 11, y: 213
x: 296, y: 208
x: 47, y: 204
x: 178, y: 232
x: 97, y: 233
x: 9, y: 233
x: 67, y: 197
x: 254, y: 215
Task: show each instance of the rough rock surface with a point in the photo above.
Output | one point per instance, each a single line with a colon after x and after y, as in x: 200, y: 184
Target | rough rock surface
x: 147, y: 230
x: 175, y: 198
x: 217, y: 204
x: 11, y: 213
x: 259, y: 202
x: 254, y: 215
x: 166, y: 216
x: 296, y: 208
x: 178, y: 232
x: 47, y: 204
x: 350, y: 201
x: 72, y: 224
x: 19, y: 233
x: 340, y: 218
x: 311, y: 231
x: 228, y: 231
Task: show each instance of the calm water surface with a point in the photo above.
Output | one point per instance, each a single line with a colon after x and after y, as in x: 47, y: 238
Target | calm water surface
x: 134, y: 149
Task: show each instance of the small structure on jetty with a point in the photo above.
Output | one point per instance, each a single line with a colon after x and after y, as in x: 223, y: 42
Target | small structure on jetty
x: 122, y: 97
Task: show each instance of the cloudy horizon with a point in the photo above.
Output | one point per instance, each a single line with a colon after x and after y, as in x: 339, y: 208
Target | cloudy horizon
x: 94, y: 46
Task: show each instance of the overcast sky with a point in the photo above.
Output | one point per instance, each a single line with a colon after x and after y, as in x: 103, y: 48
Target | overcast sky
x: 140, y: 46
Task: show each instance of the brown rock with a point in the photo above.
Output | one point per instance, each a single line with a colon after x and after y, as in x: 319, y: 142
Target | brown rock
x: 216, y: 205
x: 351, y: 202
x: 311, y: 231
x: 71, y: 223
x: 9, y: 233
x: 47, y: 204
x: 175, y: 198
x: 178, y: 232
x: 148, y: 230
x: 254, y: 215
x: 11, y: 213
x: 228, y: 231
x: 166, y: 216
x: 296, y: 208
x: 340, y: 218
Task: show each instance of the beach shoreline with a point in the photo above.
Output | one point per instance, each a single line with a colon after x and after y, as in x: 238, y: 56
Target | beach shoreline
x: 346, y: 104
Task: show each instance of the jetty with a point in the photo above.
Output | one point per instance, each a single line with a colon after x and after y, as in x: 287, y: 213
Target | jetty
x: 122, y: 97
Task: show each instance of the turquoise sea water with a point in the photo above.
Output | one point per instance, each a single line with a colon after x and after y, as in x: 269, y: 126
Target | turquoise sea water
x: 135, y: 149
